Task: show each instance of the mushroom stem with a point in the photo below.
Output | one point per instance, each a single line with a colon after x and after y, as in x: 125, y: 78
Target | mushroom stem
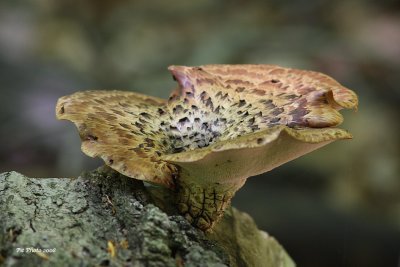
x: 204, y: 204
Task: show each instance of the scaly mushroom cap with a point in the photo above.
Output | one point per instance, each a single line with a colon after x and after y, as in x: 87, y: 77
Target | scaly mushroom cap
x: 221, y: 125
x: 255, y: 112
x: 123, y: 129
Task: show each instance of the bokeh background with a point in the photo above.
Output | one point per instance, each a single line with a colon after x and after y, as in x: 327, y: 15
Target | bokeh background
x: 339, y: 206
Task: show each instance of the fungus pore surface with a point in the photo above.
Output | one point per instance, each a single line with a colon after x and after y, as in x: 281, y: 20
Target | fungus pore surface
x: 218, y: 114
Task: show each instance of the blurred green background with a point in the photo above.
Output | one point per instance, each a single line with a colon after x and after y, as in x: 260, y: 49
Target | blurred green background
x: 339, y: 206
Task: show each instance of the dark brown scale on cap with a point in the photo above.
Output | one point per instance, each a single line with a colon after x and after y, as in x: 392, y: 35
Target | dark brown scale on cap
x: 277, y: 111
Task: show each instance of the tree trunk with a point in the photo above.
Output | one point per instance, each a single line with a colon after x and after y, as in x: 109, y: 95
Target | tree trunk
x: 105, y: 219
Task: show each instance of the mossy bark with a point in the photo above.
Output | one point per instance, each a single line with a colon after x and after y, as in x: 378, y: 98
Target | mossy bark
x: 106, y: 219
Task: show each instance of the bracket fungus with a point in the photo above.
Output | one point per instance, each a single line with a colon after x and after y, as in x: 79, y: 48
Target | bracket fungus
x: 223, y: 124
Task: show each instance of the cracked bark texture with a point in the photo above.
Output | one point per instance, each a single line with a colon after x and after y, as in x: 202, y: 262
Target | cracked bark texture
x: 103, y: 218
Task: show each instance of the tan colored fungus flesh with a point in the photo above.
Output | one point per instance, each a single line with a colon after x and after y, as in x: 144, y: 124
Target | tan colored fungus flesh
x: 223, y: 124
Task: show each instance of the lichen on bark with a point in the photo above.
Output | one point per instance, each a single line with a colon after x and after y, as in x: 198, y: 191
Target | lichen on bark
x: 87, y: 218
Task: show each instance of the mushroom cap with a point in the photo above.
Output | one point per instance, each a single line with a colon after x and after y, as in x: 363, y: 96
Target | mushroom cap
x: 223, y: 122
x: 116, y: 126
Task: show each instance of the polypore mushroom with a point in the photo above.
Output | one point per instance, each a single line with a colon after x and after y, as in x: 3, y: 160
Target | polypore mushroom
x: 223, y: 124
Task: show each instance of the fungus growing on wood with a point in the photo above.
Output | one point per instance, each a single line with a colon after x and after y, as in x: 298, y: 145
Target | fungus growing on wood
x: 223, y: 124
